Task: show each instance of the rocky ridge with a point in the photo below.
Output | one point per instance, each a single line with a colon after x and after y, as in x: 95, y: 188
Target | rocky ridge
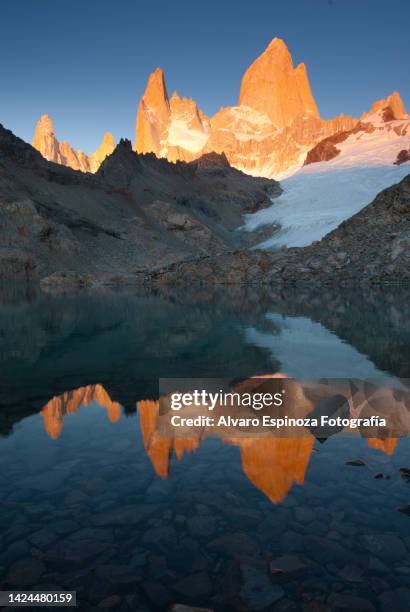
x: 137, y: 210
x: 268, y: 133
x: 377, y: 139
x: 63, y: 153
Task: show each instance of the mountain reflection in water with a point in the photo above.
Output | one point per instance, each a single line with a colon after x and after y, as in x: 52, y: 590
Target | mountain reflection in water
x: 99, y: 495
x: 272, y: 464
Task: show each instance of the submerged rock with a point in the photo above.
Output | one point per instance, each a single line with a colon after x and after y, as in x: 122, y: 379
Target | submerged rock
x: 257, y: 591
x: 347, y: 601
x: 194, y: 586
x: 405, y: 474
x: 25, y: 572
x: 288, y: 564
x: 355, y: 462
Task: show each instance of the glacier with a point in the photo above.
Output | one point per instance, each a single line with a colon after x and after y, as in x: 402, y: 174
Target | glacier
x: 318, y: 198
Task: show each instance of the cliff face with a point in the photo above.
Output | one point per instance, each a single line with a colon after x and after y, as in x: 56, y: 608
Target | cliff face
x: 173, y: 128
x: 153, y: 115
x: 45, y: 140
x: 394, y: 103
x: 272, y: 86
x: 268, y: 134
x: 63, y: 153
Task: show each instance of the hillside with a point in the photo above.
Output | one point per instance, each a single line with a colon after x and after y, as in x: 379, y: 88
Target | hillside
x: 136, y: 211
x: 373, y: 246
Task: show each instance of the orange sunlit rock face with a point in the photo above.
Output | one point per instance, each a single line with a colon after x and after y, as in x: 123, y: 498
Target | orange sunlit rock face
x: 276, y: 119
x: 393, y: 102
x: 153, y: 114
x: 275, y: 122
x: 63, y: 153
x: 268, y: 133
x: 174, y: 128
x: 69, y: 403
x: 272, y: 85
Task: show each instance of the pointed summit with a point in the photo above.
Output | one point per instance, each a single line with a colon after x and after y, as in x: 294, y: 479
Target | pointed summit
x: 156, y: 95
x: 305, y: 93
x: 154, y: 103
x: 106, y: 147
x: 393, y: 103
x: 45, y: 140
x: 108, y: 140
x: 45, y: 125
x: 63, y: 153
x: 272, y: 86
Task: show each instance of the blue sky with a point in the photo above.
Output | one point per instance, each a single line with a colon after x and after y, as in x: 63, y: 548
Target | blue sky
x: 86, y: 63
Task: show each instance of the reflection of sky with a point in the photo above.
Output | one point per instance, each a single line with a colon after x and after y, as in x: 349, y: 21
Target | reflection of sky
x: 306, y: 349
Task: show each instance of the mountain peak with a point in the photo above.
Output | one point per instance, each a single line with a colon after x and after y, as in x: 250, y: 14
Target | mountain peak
x: 277, y: 44
x: 45, y: 140
x: 45, y: 123
x: 305, y: 92
x: 156, y: 91
x: 394, y: 103
x: 108, y: 139
x: 154, y: 103
x: 272, y: 85
x: 106, y: 147
x: 62, y: 152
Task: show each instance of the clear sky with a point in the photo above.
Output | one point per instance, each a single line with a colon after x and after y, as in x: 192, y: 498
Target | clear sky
x: 86, y: 62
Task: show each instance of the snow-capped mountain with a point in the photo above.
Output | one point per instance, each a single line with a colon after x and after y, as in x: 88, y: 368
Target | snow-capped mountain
x: 273, y: 130
x: 376, y: 140
x: 275, y: 123
x: 340, y: 176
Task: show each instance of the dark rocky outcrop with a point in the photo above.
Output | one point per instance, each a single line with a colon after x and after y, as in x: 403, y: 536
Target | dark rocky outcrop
x: 325, y: 150
x: 136, y: 211
x: 402, y: 157
x: 141, y: 219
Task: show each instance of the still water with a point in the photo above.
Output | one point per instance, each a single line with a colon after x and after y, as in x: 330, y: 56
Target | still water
x: 94, y: 498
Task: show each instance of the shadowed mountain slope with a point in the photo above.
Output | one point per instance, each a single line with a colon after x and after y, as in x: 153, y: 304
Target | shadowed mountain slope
x: 136, y: 211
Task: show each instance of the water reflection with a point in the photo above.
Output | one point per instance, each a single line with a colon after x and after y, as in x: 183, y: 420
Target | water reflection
x: 128, y: 340
x: 98, y: 495
x: 69, y: 403
x: 271, y: 462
